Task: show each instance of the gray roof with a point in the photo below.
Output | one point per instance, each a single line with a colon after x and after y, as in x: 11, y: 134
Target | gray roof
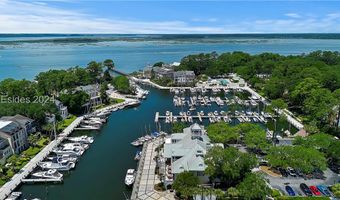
x: 189, y: 151
x: 8, y: 128
x: 22, y: 120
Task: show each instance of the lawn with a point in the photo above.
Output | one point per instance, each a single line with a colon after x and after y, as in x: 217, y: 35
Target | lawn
x: 16, y: 162
x: 66, y: 122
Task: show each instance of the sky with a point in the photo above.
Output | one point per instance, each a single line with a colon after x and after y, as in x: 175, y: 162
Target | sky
x: 169, y: 17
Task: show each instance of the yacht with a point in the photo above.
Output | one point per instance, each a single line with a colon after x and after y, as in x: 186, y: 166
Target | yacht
x: 130, y: 177
x: 75, y: 145
x: 82, y: 139
x: 63, y: 166
x: 61, y: 158
x: 50, y: 174
x: 72, y: 152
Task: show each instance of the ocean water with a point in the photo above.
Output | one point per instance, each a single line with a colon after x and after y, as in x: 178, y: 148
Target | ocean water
x: 24, y: 56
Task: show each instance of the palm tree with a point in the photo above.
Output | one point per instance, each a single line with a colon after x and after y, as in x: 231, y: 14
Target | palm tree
x: 109, y: 64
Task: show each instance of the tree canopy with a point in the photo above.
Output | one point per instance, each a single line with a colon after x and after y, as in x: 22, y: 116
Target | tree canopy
x: 229, y: 165
x: 299, y: 157
x: 186, y: 184
x: 253, y: 187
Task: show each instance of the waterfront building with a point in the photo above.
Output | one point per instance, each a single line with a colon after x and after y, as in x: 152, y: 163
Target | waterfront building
x: 15, y: 134
x: 25, y: 122
x: 63, y: 111
x: 185, y: 152
x: 184, y: 77
x: 5, y: 151
x: 163, y: 72
x: 94, y: 92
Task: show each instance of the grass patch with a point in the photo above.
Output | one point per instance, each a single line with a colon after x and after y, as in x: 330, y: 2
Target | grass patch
x: 16, y: 162
x: 65, y: 123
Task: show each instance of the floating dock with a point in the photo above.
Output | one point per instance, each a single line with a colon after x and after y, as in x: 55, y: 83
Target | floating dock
x: 41, y: 180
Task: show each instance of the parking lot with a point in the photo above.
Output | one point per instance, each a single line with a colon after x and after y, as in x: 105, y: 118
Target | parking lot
x: 280, y: 182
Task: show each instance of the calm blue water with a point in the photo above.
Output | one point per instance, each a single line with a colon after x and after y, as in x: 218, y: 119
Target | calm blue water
x: 25, y: 60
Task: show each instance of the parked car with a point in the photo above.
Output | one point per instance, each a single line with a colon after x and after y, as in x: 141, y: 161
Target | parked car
x: 315, y: 190
x: 291, y: 171
x: 324, y: 190
x: 305, y: 189
x: 283, y: 172
x: 299, y: 173
x: 290, y: 191
x: 317, y: 173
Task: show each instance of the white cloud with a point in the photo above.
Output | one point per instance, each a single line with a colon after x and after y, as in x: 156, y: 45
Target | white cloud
x: 293, y: 15
x: 19, y: 17
x: 36, y: 17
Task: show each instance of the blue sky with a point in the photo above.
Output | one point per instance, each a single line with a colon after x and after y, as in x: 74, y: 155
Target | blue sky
x: 105, y: 16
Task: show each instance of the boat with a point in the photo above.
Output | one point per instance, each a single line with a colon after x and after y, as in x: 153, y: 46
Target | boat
x: 60, y: 158
x: 50, y: 174
x: 192, y: 108
x: 63, y: 166
x: 138, y: 155
x: 137, y: 143
x: 82, y: 139
x: 130, y: 177
x: 75, y: 145
x: 14, y: 195
x: 73, y: 152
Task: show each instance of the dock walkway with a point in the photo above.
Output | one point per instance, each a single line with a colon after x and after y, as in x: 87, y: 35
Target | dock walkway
x: 17, y: 179
x: 146, y: 178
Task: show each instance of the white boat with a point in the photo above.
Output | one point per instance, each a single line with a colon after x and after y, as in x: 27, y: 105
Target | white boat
x: 137, y: 143
x: 50, y: 174
x: 14, y: 195
x: 75, y: 145
x: 130, y: 177
x: 73, y: 152
x: 63, y: 166
x: 61, y: 158
x: 82, y: 139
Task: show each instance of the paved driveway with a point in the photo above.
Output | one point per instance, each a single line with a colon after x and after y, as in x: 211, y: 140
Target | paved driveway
x: 294, y: 182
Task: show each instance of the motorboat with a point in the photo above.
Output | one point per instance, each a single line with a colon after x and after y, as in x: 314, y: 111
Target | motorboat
x: 74, y: 152
x: 82, y: 139
x: 75, y: 145
x: 49, y: 174
x: 60, y: 158
x: 63, y: 166
x: 130, y: 177
x: 138, y: 155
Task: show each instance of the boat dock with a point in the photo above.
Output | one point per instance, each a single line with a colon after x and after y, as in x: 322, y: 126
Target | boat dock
x: 146, y: 178
x: 42, y: 180
x: 186, y: 118
x: 22, y: 175
x: 18, y: 178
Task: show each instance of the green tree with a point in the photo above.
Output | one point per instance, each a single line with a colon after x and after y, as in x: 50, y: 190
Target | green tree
x: 229, y: 165
x: 222, y: 133
x: 109, y: 64
x: 303, y: 90
x: 298, y: 157
x: 177, y: 127
x: 75, y: 101
x: 256, y: 140
x: 186, y: 184
x: 122, y: 84
x: 95, y: 69
x: 253, y: 187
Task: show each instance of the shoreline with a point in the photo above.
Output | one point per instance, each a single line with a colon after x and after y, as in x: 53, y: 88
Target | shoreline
x: 17, y: 179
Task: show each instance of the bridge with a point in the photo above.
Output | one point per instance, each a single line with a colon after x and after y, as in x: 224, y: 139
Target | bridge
x: 119, y: 72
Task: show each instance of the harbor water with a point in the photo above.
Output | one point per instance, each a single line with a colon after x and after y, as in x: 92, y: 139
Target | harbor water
x: 100, y: 172
x: 25, y: 60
